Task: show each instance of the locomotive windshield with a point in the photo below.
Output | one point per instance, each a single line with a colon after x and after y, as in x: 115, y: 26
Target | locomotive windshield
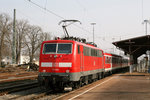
x: 64, y: 48
x: 49, y: 48
x: 59, y: 48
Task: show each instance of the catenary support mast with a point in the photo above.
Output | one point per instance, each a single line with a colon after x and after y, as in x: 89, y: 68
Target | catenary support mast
x: 14, y: 39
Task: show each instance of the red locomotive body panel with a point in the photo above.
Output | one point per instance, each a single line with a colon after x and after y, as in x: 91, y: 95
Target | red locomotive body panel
x: 56, y: 62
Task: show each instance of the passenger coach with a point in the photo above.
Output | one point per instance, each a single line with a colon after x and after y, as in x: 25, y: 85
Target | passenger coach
x: 113, y: 63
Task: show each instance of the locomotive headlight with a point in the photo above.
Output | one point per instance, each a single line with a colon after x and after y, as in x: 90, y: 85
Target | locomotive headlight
x: 67, y: 71
x: 44, y: 70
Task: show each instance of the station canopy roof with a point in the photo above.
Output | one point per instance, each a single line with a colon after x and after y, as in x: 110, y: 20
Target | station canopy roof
x: 134, y: 46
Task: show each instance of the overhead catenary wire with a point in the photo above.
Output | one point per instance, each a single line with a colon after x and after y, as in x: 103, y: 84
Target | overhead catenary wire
x: 45, y: 4
x: 33, y: 19
x: 57, y: 15
x: 44, y: 8
x: 85, y: 29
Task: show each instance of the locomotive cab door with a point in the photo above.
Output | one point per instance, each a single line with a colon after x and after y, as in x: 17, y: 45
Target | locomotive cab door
x: 82, y: 59
x: 80, y: 51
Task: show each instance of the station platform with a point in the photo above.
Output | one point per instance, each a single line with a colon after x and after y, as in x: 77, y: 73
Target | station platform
x: 125, y: 86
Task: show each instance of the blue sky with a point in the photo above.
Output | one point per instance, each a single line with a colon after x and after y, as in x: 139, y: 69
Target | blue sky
x: 118, y: 19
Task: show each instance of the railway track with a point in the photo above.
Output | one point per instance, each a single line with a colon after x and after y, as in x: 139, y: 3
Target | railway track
x: 10, y: 79
x: 40, y: 95
x: 9, y: 88
x: 12, y: 83
x: 23, y: 90
x: 29, y: 91
x: 36, y: 94
x: 32, y: 91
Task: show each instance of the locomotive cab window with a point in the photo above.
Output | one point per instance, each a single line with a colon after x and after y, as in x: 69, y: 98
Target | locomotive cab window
x: 57, y: 48
x: 64, y: 48
x: 49, y: 48
x: 78, y: 49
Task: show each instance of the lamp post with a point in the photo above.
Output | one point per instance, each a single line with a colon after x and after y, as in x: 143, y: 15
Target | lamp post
x: 146, y: 22
x: 93, y: 30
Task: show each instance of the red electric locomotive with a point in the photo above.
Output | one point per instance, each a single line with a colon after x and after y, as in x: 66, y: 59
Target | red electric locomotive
x: 68, y: 63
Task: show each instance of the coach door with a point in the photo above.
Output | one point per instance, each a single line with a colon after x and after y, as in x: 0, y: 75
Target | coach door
x: 81, y: 57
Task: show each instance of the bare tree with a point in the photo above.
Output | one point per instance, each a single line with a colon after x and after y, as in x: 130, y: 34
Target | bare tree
x: 44, y: 36
x: 21, y: 31
x: 33, y: 40
x: 27, y: 36
x: 5, y: 28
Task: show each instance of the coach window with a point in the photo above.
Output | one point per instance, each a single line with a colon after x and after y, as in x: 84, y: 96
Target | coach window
x: 106, y: 59
x: 95, y: 53
x: 85, y: 51
x: 88, y: 51
x: 113, y: 60
x: 110, y: 60
x: 99, y: 53
x: 92, y: 52
x: 78, y: 49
